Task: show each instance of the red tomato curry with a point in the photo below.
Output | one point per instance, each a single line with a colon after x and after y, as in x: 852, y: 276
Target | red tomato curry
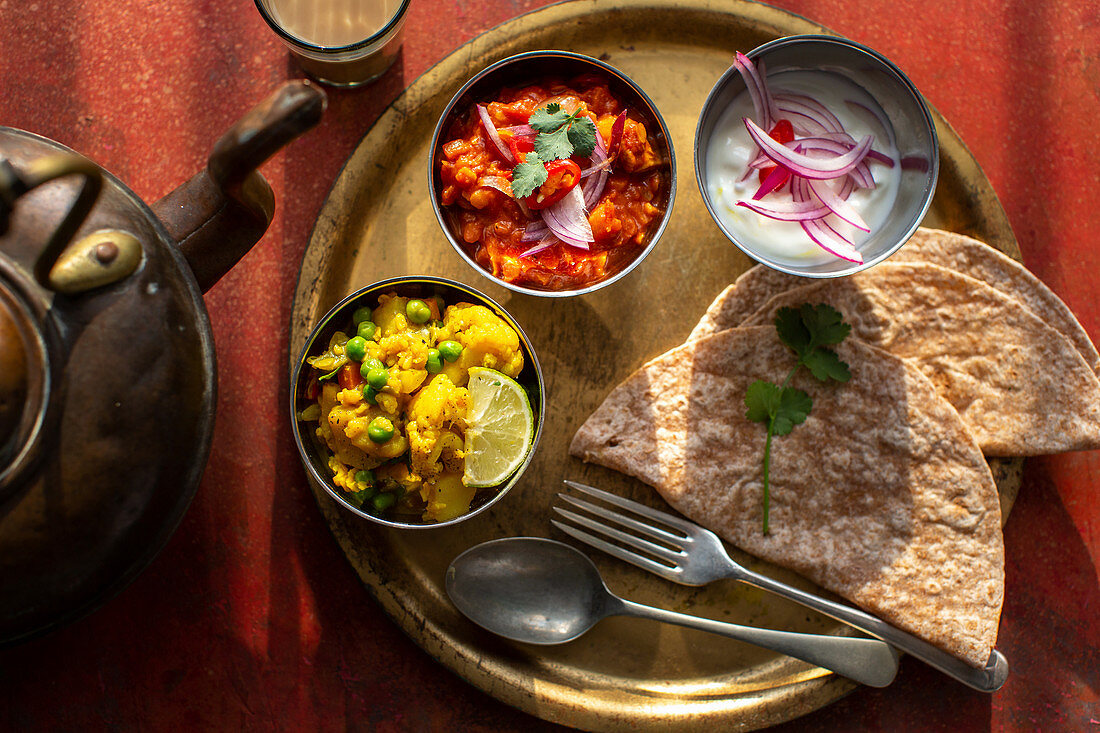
x: 491, y: 223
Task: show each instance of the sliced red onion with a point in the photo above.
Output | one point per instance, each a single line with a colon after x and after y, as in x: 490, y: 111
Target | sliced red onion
x: 535, y: 230
x: 540, y: 247
x: 500, y: 183
x: 836, y: 204
x: 758, y: 91
x: 567, y: 220
x: 771, y: 182
x: 825, y: 237
x: 520, y: 130
x: 804, y: 165
x: 813, y: 108
x: 787, y: 210
x: 494, y: 136
x: 879, y: 118
x: 592, y: 186
x: 802, y: 124
x: 810, y: 117
x: 878, y: 157
x: 596, y: 168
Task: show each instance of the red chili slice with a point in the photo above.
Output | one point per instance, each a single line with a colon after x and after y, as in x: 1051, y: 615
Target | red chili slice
x: 782, y: 132
x: 561, y: 177
x: 520, y: 145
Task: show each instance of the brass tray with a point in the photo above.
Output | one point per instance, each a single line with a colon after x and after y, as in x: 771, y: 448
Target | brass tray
x: 626, y: 674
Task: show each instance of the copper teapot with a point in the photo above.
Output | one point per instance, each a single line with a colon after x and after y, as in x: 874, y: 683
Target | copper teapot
x: 107, y: 365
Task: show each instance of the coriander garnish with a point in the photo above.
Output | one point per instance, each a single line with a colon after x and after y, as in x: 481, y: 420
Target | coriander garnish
x: 560, y: 135
x: 807, y: 332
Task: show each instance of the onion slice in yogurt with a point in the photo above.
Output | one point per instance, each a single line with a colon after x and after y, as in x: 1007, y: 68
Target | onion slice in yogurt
x: 804, y: 165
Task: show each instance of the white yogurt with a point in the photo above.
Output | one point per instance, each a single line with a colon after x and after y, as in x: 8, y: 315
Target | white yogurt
x: 731, y: 149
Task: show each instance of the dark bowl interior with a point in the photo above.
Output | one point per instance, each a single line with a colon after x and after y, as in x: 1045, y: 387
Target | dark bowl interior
x: 899, y: 100
x: 314, y: 454
x: 524, y: 69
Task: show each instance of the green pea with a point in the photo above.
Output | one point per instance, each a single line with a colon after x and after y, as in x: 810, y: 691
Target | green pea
x: 380, y: 430
x: 378, y: 378
x: 418, y: 311
x: 367, y: 329
x: 356, y: 348
x: 364, y: 476
x: 359, y: 497
x: 360, y: 315
x: 382, y: 502
x: 369, y: 364
x: 450, y: 350
x: 370, y: 394
x: 434, y: 364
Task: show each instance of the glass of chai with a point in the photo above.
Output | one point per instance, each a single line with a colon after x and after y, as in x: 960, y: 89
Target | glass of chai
x: 341, y: 43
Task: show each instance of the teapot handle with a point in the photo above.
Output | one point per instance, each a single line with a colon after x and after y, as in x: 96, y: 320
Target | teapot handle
x: 224, y: 209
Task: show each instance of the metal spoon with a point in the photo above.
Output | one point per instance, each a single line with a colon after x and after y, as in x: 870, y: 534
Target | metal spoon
x: 541, y: 591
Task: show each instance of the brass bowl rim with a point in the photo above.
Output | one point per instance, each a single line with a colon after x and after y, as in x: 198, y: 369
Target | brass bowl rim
x: 529, y: 57
x: 343, y: 309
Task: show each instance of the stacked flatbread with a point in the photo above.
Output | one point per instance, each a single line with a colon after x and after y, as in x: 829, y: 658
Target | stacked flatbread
x: 882, y: 495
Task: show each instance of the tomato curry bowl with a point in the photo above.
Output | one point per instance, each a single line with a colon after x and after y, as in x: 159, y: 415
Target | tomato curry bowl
x: 552, y: 173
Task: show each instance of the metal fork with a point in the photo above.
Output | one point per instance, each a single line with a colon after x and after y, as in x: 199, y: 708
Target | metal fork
x: 699, y: 558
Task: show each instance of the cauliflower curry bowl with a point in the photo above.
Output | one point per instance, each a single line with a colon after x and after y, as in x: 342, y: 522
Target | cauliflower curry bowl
x: 417, y: 402
x: 552, y: 173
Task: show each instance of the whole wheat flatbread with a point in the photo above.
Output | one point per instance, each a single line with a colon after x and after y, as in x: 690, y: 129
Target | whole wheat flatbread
x: 881, y: 495
x: 1019, y: 385
x: 934, y: 246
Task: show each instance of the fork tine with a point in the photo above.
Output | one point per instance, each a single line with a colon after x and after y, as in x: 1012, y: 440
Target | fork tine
x: 675, y: 522
x: 615, y: 551
x: 672, y: 556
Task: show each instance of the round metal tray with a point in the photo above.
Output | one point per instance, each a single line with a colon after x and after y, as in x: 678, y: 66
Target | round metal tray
x: 626, y: 674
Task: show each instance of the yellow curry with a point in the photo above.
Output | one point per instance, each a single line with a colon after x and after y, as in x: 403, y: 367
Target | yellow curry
x: 390, y: 402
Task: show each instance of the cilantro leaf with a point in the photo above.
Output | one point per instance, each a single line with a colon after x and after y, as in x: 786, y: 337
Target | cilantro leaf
x: 528, y: 175
x: 762, y: 399
x: 792, y: 330
x: 794, y: 406
x: 548, y: 119
x: 825, y: 365
x: 825, y: 324
x: 806, y: 331
x: 554, y: 145
x: 582, y: 133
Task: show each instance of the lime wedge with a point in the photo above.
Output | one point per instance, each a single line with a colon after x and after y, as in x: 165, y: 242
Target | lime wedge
x: 500, y: 427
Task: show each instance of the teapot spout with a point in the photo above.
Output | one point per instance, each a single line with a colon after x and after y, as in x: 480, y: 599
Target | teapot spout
x: 224, y: 209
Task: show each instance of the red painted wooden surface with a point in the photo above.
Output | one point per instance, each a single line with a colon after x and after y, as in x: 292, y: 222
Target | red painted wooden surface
x: 252, y: 619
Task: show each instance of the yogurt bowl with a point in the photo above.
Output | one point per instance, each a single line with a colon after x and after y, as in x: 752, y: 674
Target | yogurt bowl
x: 817, y: 104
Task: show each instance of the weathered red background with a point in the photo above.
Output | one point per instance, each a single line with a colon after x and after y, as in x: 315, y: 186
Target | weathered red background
x: 251, y: 618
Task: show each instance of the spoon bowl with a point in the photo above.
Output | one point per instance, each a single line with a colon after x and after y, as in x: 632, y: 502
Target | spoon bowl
x: 528, y: 589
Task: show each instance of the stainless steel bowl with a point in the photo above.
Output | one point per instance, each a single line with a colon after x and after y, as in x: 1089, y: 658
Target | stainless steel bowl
x: 526, y: 68
x: 314, y: 454
x: 903, y: 106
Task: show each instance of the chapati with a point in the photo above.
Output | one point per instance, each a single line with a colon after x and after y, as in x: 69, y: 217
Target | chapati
x: 881, y: 495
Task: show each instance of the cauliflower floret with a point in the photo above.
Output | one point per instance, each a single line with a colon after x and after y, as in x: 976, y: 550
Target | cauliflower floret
x: 486, y: 340
x: 436, y: 419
